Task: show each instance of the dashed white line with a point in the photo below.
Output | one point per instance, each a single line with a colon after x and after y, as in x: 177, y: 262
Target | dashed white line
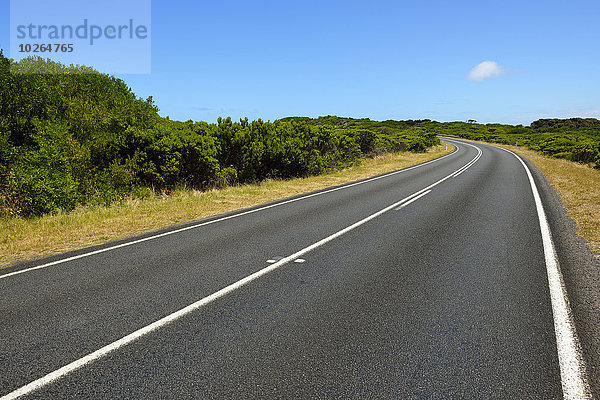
x: 61, y: 372
x: 91, y: 253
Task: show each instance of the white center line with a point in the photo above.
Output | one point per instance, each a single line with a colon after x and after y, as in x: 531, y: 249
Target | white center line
x: 412, y: 200
x: 61, y: 372
x: 91, y: 253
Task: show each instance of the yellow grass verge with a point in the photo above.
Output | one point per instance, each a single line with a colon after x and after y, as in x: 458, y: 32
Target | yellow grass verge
x: 579, y: 188
x: 24, y: 239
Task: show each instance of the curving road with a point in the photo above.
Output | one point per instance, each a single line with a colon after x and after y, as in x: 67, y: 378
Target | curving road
x: 430, y: 282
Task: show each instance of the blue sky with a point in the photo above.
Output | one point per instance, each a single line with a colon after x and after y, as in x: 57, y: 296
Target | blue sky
x: 376, y: 59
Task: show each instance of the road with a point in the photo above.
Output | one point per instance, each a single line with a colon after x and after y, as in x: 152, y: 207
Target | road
x: 430, y: 282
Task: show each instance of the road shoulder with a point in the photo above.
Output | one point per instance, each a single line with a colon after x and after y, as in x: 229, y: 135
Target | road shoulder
x: 581, y: 274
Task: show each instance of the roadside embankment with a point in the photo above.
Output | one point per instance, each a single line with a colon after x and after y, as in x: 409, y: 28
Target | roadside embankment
x: 23, y: 239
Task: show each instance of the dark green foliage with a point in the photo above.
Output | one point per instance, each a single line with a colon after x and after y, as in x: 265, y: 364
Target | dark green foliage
x: 574, y: 139
x: 565, y: 123
x: 70, y: 135
x: 53, y: 127
x: 379, y: 136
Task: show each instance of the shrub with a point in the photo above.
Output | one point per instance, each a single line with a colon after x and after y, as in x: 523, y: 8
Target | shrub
x: 77, y: 136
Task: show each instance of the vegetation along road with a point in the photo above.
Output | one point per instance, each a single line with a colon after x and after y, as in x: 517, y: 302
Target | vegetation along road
x: 435, y: 281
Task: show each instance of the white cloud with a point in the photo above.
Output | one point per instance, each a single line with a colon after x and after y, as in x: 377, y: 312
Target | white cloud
x: 485, y: 70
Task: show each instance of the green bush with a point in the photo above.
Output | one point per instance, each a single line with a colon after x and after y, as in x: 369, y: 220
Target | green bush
x: 70, y: 135
x: 574, y: 139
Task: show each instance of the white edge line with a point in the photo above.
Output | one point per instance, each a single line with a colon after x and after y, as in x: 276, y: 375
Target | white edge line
x: 572, y: 366
x: 77, y: 257
x: 59, y: 373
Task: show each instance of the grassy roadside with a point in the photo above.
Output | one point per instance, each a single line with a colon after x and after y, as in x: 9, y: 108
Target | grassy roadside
x: 577, y: 185
x: 25, y: 239
x: 579, y: 188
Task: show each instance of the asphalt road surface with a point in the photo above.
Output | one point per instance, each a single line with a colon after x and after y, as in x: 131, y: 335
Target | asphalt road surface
x: 426, y: 283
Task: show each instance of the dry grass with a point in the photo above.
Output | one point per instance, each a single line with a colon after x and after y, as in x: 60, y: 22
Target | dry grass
x: 579, y: 188
x: 577, y: 185
x: 25, y: 239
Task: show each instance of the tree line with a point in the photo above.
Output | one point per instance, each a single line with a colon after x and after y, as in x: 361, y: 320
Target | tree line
x: 71, y: 136
x: 574, y: 139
